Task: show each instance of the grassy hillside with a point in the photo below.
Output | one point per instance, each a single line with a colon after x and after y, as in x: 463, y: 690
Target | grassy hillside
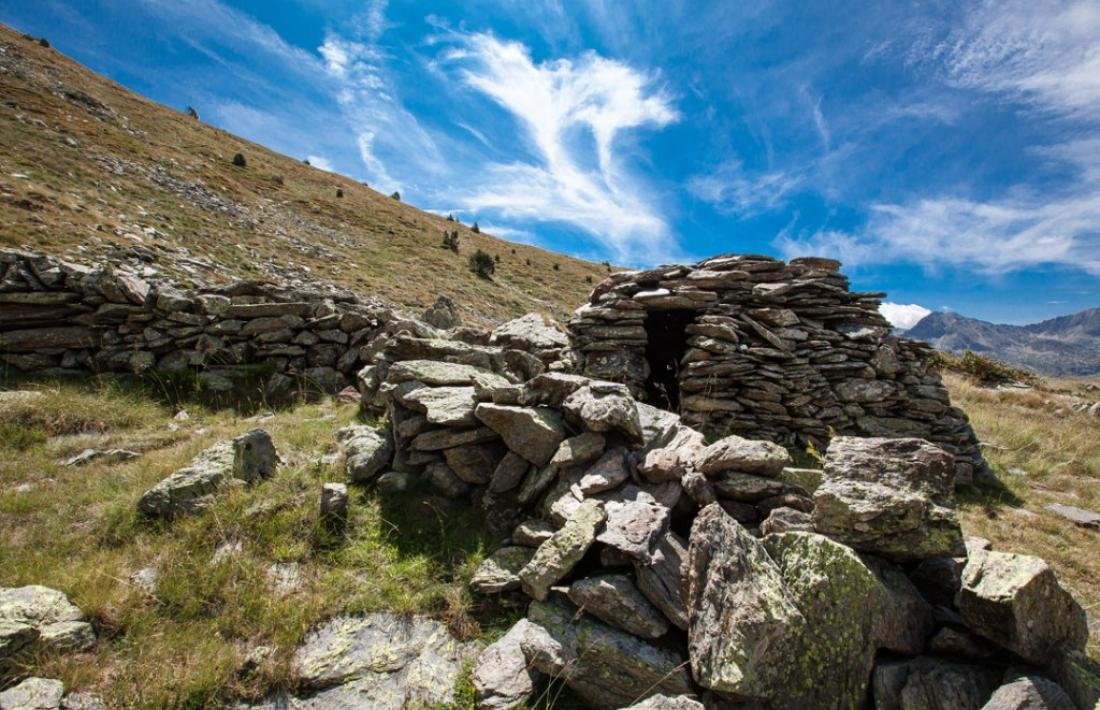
x: 89, y: 168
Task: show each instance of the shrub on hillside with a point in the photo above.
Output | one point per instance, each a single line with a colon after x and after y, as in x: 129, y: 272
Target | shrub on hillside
x: 396, y: 195
x: 450, y: 241
x: 982, y: 368
x: 475, y: 229
x: 482, y: 264
x: 339, y: 192
x: 239, y: 160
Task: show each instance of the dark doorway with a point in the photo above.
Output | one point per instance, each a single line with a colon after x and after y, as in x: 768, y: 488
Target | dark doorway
x: 666, y: 342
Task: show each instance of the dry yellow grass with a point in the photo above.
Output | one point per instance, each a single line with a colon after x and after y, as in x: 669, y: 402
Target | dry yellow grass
x: 1043, y: 453
x: 100, y: 165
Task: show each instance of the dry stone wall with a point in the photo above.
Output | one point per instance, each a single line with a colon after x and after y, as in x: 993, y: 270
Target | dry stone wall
x: 765, y: 348
x: 60, y: 318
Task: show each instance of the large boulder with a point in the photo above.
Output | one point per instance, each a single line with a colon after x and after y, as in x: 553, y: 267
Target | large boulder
x: 532, y: 432
x: 891, y: 497
x: 1017, y: 602
x: 605, y: 667
x: 250, y: 457
x: 442, y: 314
x: 556, y: 557
x: 734, y: 453
x: 794, y: 620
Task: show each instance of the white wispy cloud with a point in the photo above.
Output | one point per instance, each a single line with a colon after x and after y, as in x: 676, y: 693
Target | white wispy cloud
x: 903, y: 316
x: 1044, y: 51
x: 1009, y: 234
x: 551, y: 102
x: 734, y: 190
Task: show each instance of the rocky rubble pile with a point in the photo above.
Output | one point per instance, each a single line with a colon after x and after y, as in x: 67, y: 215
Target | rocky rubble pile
x: 719, y: 574
x: 768, y: 349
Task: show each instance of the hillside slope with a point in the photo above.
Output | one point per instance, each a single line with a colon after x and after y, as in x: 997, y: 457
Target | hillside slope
x: 1065, y: 346
x: 89, y: 169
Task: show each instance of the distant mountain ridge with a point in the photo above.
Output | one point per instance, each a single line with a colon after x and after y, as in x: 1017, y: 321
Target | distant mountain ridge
x: 1067, y: 346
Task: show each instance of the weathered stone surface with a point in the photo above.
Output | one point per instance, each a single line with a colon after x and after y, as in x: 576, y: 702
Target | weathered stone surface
x: 927, y: 682
x: 1077, y: 516
x: 1017, y: 602
x: 1029, y: 693
x: 608, y: 472
x: 36, y: 617
x: 33, y: 694
x: 533, y: 433
x: 734, y: 453
x: 606, y: 667
x: 891, y: 497
x: 379, y: 661
x: 740, y: 617
x: 949, y: 641
x: 635, y: 521
x: 578, y: 450
x: 15, y: 637
x: 502, y: 677
x: 366, y: 452
x: 509, y: 473
x: 475, y: 463
x: 499, y: 572
x: 249, y: 457
x: 435, y: 373
x: 556, y: 557
x: 783, y: 520
x: 794, y: 620
x: 605, y: 407
x: 750, y: 488
x: 440, y: 439
x: 614, y: 599
x: 531, y: 332
x: 1079, y: 676
x: 532, y: 533
x: 107, y: 456
x: 663, y: 579
x: 674, y: 460
x: 446, y: 406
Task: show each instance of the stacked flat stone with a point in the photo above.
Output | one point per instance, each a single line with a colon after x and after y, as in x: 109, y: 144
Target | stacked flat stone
x: 777, y: 350
x: 60, y: 318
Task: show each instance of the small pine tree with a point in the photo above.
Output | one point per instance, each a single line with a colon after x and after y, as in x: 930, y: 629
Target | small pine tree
x: 450, y: 218
x: 475, y: 229
x: 557, y: 267
x: 588, y: 279
x: 528, y: 260
x: 496, y: 258
x: 339, y: 192
x: 192, y: 112
x: 482, y: 264
x: 239, y: 160
x: 450, y: 241
x: 44, y: 42
x: 306, y: 162
x: 396, y: 195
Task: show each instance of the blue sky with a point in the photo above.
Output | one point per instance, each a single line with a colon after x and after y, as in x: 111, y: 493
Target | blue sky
x: 947, y: 152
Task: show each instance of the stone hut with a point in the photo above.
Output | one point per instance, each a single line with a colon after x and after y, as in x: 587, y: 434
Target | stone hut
x: 753, y: 345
